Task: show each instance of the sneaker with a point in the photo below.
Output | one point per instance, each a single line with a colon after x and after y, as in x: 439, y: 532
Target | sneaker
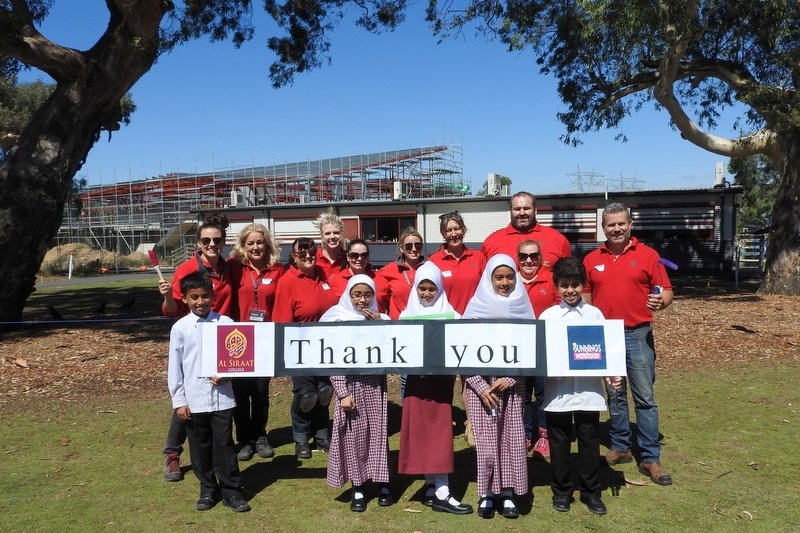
x: 172, y: 467
x: 245, y: 453
x: 528, y: 445
x: 542, y: 448
x: 302, y: 450
x: 264, y: 450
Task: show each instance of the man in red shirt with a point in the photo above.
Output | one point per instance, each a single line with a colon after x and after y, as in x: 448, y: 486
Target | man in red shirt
x: 523, y: 226
x: 626, y: 280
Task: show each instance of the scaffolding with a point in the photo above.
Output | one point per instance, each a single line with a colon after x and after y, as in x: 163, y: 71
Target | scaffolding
x: 155, y: 212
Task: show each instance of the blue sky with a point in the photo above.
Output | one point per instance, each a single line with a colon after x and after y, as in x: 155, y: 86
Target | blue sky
x: 210, y: 106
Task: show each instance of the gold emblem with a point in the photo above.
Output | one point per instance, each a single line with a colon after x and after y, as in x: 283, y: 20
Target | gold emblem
x: 236, y: 344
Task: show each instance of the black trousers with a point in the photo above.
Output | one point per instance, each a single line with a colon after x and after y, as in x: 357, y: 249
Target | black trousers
x: 559, y: 429
x: 213, y: 454
x: 252, y: 408
x: 176, y: 435
x: 315, y: 422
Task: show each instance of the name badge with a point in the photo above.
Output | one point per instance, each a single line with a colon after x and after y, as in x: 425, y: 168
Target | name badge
x: 600, y: 268
x: 325, y: 286
x: 446, y: 274
x: 257, y: 315
x: 266, y: 281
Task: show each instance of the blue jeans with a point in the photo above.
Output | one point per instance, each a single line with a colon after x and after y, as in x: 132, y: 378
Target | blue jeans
x: 640, y: 358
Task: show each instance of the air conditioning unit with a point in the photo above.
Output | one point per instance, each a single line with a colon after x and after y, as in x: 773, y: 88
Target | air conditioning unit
x: 492, y: 184
x: 301, y: 198
x: 237, y: 198
x: 400, y: 190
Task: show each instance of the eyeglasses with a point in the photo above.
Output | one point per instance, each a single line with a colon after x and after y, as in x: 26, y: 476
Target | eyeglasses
x: 355, y: 256
x: 451, y: 214
x: 305, y: 254
x: 412, y: 246
x: 205, y: 241
x: 535, y: 256
x: 365, y: 295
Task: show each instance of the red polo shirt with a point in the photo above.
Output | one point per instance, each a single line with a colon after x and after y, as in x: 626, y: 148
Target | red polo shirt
x: 222, y: 296
x: 255, y: 289
x: 553, y: 244
x: 394, y: 282
x: 340, y: 280
x: 300, y: 298
x: 330, y: 268
x: 542, y: 291
x: 619, y: 285
x: 460, y: 276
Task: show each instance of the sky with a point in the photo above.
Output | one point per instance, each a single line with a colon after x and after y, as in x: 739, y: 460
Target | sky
x: 209, y: 106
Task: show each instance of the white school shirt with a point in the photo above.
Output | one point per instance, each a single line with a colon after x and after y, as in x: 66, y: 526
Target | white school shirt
x: 186, y: 385
x: 566, y: 394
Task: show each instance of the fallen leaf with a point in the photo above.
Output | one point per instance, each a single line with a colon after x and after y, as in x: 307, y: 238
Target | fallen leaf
x: 744, y: 514
x: 753, y: 465
x: 23, y: 363
x: 65, y: 441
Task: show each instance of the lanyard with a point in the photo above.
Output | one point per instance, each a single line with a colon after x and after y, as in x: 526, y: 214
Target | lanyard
x: 256, y: 282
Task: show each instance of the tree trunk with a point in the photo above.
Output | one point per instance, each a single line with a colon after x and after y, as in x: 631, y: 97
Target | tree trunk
x: 782, y: 271
x: 35, y: 178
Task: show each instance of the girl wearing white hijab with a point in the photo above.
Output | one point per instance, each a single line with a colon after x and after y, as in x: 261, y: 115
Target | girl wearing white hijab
x: 426, y: 429
x: 358, y: 449
x: 495, y: 404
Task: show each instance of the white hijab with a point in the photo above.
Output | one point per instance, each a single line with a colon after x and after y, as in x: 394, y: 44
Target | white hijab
x: 428, y: 271
x: 488, y: 304
x: 345, y: 310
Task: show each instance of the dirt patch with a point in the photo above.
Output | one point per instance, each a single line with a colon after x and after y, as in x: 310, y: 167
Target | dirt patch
x: 128, y: 358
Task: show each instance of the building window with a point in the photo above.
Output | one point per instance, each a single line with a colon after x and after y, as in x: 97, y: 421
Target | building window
x: 386, y: 228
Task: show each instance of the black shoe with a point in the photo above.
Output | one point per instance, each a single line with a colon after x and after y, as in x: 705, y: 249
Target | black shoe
x: 595, y: 504
x: 236, y: 503
x: 206, y: 502
x: 302, y: 450
x: 509, y: 511
x: 323, y: 444
x: 263, y: 448
x: 358, y: 505
x: 307, y: 401
x: 385, y: 498
x: 444, y: 506
x: 427, y: 501
x: 325, y: 395
x: 487, y: 511
x: 561, y: 503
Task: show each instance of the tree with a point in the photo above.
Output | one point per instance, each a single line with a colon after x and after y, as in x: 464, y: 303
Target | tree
x: 36, y: 174
x: 759, y: 179
x: 611, y: 57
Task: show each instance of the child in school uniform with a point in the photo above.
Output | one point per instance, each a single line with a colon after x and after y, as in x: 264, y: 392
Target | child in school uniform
x: 206, y: 404
x: 574, y: 399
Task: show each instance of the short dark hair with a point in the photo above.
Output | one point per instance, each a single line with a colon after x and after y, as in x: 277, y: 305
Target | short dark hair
x: 196, y: 280
x: 353, y: 242
x: 569, y: 268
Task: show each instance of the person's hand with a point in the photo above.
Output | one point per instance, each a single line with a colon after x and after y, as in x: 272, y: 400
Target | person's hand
x: 164, y: 287
x: 216, y: 379
x: 184, y: 413
x: 655, y: 301
x: 499, y: 386
x: 371, y: 315
x: 347, y: 403
x: 614, y: 382
x: 490, y: 399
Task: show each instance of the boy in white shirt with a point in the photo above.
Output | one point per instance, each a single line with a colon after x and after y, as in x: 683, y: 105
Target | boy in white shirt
x: 205, y: 404
x: 574, y: 398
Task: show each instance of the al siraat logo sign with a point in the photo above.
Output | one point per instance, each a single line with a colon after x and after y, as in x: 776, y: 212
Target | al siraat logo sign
x: 235, y: 353
x: 587, y: 347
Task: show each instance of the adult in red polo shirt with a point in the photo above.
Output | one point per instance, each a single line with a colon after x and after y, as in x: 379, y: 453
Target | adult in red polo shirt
x: 461, y: 266
x: 394, y: 281
x: 523, y: 226
x: 626, y: 280
x: 331, y: 255
x: 357, y: 263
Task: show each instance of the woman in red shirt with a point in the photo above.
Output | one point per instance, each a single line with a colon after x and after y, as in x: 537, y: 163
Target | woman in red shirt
x: 357, y: 263
x: 461, y: 266
x: 331, y: 255
x: 303, y: 295
x: 255, y: 269
x: 394, y: 281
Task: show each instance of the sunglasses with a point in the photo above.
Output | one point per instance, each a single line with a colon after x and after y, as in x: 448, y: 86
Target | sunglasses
x: 355, y: 256
x: 451, y: 214
x: 305, y: 254
x: 412, y: 246
x: 535, y: 256
x: 205, y: 241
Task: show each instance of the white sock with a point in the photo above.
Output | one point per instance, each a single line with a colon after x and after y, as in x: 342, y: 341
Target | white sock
x: 508, y: 502
x: 487, y: 501
x: 357, y: 495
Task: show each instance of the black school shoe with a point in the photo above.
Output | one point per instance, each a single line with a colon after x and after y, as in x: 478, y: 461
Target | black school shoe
x: 385, y: 498
x: 444, y: 506
x: 358, y: 505
x: 509, y: 511
x: 302, y: 450
x: 595, y: 504
x: 206, y: 502
x: 561, y: 503
x: 237, y: 504
x: 427, y: 501
x: 488, y: 510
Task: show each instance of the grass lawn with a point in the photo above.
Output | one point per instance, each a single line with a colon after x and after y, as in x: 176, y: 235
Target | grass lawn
x: 93, y: 463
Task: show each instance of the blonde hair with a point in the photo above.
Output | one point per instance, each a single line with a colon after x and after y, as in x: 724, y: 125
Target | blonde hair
x: 239, y: 253
x: 328, y: 217
x: 408, y: 232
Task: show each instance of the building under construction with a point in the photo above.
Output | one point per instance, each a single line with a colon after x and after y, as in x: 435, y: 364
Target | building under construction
x: 139, y: 215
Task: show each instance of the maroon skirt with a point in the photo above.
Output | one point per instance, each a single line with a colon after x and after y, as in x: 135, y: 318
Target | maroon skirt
x: 426, y: 430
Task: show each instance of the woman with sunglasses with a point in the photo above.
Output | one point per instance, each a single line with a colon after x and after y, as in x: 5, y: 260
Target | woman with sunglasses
x: 357, y: 263
x: 461, y: 266
x: 303, y: 295
x: 255, y: 269
x: 207, y: 259
x: 538, y: 283
x: 395, y: 280
x: 331, y: 255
